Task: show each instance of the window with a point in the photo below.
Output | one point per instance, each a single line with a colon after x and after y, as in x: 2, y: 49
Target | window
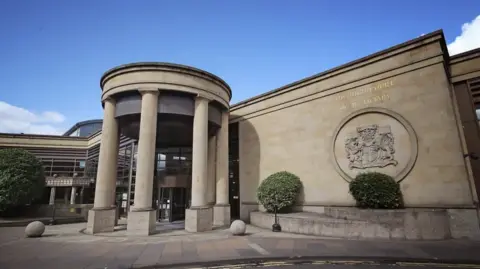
x: 76, y: 132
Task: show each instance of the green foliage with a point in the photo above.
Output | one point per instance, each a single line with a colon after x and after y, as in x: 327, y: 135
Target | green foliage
x: 22, y: 178
x: 376, y: 190
x: 280, y: 189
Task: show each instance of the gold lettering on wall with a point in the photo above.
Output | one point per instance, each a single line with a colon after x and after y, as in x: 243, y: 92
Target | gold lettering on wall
x: 366, y: 102
x: 366, y: 90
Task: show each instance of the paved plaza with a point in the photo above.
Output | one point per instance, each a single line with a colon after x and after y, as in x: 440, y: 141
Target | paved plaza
x: 65, y: 246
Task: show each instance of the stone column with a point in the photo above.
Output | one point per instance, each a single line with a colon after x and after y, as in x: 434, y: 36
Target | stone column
x: 52, y: 196
x: 73, y: 195
x: 141, y: 218
x: 199, y: 216
x: 221, y: 215
x: 102, y: 216
x: 212, y: 151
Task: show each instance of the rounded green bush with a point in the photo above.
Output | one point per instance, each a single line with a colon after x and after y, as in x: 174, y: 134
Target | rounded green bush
x: 376, y: 190
x: 280, y: 189
x: 22, y: 178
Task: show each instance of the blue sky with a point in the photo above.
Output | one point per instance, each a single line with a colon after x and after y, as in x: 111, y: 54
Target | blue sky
x: 53, y: 53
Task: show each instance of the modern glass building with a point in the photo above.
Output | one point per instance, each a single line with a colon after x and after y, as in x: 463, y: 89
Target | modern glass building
x: 84, y: 128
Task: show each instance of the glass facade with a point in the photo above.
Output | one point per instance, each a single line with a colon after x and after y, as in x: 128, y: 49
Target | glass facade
x: 87, y: 129
x: 174, y: 161
x: 56, y: 167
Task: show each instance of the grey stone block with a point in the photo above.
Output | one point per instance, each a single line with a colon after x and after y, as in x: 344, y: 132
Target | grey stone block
x: 100, y: 221
x: 141, y: 222
x: 382, y: 232
x: 199, y: 219
x: 221, y: 215
x: 464, y: 223
x: 397, y: 233
x: 426, y: 224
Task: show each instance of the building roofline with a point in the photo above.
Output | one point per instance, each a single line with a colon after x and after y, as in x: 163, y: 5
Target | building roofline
x: 354, y: 62
x: 41, y: 136
x: 465, y: 54
x: 163, y: 64
x: 79, y: 124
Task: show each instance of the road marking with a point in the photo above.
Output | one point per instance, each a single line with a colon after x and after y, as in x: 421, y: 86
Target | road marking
x: 335, y: 262
x: 269, y: 264
x: 259, y: 249
x: 243, y: 265
x: 446, y: 265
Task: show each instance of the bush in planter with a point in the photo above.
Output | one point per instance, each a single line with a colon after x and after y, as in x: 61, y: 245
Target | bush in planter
x: 376, y: 190
x: 280, y: 189
x: 22, y: 178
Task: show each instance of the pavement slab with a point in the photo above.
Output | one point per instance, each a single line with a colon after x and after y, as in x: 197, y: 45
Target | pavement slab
x: 65, y: 246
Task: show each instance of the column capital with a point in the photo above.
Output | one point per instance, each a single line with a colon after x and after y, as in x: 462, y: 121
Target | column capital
x: 203, y: 97
x: 148, y: 90
x: 110, y: 100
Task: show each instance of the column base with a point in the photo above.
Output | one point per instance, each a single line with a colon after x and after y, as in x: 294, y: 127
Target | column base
x: 141, y: 222
x: 199, y: 219
x: 101, y: 221
x: 221, y: 215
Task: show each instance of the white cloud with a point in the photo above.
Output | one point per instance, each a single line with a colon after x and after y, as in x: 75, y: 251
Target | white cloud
x: 469, y: 38
x: 15, y: 119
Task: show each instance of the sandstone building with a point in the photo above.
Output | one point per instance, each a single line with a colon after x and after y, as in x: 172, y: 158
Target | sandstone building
x: 173, y: 147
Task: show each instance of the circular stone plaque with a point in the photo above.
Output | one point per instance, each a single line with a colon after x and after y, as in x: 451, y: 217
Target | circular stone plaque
x: 374, y: 140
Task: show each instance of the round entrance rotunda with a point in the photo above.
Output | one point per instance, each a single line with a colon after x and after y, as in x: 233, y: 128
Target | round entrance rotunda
x: 164, y: 105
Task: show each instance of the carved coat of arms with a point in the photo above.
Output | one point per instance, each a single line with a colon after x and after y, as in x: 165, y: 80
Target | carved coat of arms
x: 370, y: 146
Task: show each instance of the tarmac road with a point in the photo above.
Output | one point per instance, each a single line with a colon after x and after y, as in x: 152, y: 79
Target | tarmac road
x: 330, y: 266
x: 339, y: 265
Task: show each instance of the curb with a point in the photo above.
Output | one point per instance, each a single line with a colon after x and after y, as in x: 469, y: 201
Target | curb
x: 318, y: 260
x: 46, y: 221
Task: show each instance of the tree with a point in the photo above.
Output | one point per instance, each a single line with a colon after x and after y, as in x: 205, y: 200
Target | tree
x: 22, y: 178
x: 279, y: 190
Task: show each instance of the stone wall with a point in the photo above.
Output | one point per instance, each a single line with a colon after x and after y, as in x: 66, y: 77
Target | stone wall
x: 61, y: 210
x: 353, y: 223
x: 322, y: 130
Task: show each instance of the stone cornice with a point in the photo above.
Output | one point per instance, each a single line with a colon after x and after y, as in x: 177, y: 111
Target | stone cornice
x: 162, y: 66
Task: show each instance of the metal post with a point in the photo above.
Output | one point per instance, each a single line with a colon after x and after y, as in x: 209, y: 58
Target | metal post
x: 130, y: 176
x: 52, y: 220
x: 276, y: 226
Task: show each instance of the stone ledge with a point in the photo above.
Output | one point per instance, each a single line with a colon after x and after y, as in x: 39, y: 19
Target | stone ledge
x: 378, y: 215
x: 411, y: 224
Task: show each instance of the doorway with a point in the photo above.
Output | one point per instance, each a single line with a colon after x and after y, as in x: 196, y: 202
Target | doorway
x: 172, y: 203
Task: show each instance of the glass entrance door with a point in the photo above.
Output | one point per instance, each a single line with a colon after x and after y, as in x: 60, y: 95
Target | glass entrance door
x: 179, y: 203
x: 172, y: 203
x: 164, y: 204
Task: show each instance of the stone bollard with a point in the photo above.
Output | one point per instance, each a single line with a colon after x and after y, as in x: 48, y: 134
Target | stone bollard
x: 35, y: 229
x: 238, y: 227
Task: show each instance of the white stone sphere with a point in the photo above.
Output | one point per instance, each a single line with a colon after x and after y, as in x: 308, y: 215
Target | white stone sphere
x: 35, y: 229
x: 238, y: 227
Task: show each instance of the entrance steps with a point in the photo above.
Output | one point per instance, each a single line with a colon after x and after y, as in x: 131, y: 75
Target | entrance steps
x: 354, y: 223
